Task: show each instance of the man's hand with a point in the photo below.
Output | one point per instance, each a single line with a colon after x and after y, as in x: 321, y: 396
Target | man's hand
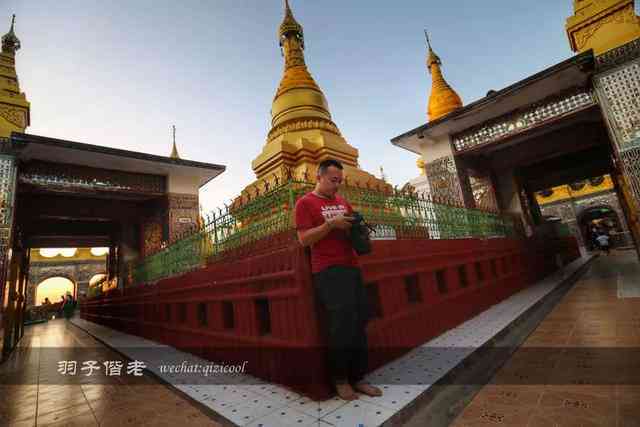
x: 313, y: 235
x: 341, y: 221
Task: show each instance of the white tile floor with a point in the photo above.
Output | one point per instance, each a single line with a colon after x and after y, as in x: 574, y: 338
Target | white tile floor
x: 249, y: 401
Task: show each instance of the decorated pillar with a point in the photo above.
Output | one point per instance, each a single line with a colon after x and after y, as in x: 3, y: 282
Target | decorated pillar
x: 617, y: 83
x: 8, y: 173
x: 449, y: 181
x: 182, y: 214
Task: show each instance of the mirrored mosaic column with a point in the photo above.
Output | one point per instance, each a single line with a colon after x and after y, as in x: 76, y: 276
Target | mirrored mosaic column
x: 7, y: 196
x: 450, y: 187
x: 617, y: 85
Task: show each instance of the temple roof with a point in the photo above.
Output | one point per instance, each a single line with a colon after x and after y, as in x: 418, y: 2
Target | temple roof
x: 33, y: 147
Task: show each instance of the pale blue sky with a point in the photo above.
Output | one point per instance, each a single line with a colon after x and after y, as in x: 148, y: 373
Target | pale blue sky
x: 119, y: 73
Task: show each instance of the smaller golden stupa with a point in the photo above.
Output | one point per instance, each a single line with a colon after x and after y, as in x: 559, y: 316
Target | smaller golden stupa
x: 443, y: 98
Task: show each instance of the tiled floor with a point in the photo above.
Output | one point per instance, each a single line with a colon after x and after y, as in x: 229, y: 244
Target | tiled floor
x: 248, y: 401
x: 33, y: 392
x: 580, y: 367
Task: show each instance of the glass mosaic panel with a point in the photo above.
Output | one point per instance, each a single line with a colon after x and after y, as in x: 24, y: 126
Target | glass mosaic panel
x: 443, y: 180
x: 7, y: 192
x: 631, y: 164
x: 618, y: 56
x: 517, y: 122
x: 58, y: 175
x: 7, y: 185
x: 483, y: 193
x: 619, y: 91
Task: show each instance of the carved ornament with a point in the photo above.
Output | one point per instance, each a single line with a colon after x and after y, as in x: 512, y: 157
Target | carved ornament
x: 14, y: 115
x: 304, y: 124
x: 296, y: 77
x: 624, y: 15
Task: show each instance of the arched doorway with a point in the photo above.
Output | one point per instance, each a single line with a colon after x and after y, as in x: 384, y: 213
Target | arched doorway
x: 53, y: 288
x: 601, y: 218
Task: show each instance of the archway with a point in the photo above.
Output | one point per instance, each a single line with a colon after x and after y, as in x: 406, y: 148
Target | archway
x: 600, y: 218
x: 53, y: 288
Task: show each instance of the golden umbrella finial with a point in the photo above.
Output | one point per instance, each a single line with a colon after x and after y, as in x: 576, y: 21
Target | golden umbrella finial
x: 11, y: 43
x: 290, y: 25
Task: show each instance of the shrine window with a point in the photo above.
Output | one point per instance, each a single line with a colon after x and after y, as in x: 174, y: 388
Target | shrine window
x: 263, y: 316
x: 479, y: 272
x: 412, y: 289
x: 202, y: 314
x: 373, y: 294
x: 462, y: 273
x: 182, y: 312
x: 228, y: 318
x: 494, y: 268
x: 441, y: 281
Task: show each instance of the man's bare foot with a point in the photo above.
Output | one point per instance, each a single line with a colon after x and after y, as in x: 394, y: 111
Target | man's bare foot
x: 368, y: 389
x: 345, y: 391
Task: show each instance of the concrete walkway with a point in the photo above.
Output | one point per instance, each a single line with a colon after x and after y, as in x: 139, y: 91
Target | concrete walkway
x: 581, y: 365
x: 33, y: 391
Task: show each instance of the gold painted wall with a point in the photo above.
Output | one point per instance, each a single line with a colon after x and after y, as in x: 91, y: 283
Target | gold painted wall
x: 602, y: 25
x: 564, y: 192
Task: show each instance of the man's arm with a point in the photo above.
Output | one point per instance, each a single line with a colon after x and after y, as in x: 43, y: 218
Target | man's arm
x: 313, y: 235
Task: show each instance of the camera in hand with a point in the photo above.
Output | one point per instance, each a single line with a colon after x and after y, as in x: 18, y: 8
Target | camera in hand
x: 360, y: 234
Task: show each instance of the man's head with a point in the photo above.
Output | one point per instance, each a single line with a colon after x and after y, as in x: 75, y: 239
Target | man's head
x: 329, y: 177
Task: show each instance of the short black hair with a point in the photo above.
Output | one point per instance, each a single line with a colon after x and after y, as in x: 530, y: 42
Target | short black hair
x: 326, y: 164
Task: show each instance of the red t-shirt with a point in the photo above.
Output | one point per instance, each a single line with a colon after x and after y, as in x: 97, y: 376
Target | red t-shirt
x: 335, y: 248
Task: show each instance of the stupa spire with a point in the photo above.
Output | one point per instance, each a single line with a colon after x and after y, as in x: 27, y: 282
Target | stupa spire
x: 174, y: 149
x: 443, y: 98
x: 14, y: 107
x: 290, y: 25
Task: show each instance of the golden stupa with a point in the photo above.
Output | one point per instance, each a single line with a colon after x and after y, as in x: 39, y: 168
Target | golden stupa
x: 443, y: 98
x: 14, y: 107
x: 302, y: 131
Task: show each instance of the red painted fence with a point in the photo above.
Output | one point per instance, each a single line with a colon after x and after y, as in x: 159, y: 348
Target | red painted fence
x: 261, y: 309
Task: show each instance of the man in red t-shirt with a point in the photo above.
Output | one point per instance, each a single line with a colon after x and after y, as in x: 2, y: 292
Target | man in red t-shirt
x: 323, y: 222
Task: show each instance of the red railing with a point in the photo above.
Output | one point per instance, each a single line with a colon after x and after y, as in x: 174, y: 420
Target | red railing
x: 261, y: 309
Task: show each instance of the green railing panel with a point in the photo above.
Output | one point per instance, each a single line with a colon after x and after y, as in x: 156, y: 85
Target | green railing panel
x: 394, y: 214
